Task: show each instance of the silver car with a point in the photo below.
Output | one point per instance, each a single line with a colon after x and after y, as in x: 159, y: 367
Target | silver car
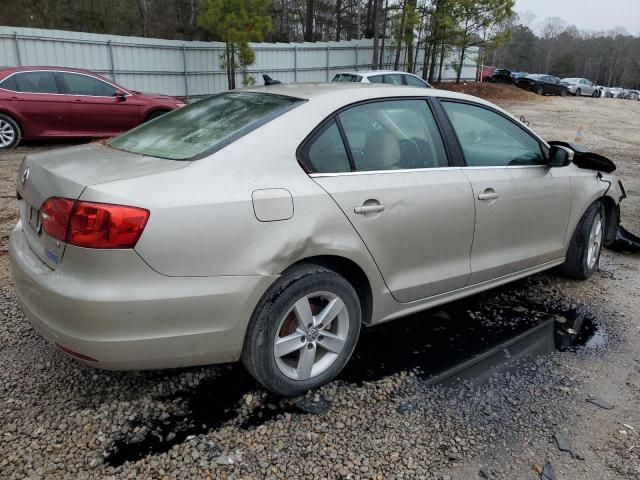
x: 389, y: 77
x: 581, y: 87
x: 268, y: 224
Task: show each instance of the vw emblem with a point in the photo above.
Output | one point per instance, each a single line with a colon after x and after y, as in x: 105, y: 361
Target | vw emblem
x: 25, y: 177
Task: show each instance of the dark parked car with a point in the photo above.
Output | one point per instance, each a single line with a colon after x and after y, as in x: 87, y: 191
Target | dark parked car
x: 542, y: 84
x: 50, y: 102
x: 501, y: 75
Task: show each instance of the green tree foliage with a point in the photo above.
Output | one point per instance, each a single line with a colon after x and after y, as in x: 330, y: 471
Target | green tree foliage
x: 236, y: 23
x: 476, y: 17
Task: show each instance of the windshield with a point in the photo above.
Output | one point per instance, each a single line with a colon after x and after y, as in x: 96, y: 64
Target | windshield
x: 205, y: 126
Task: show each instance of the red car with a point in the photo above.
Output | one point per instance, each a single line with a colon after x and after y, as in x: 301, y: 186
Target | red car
x: 39, y: 103
x: 485, y: 73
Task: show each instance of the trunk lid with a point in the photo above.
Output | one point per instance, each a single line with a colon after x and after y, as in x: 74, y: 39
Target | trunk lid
x: 66, y: 173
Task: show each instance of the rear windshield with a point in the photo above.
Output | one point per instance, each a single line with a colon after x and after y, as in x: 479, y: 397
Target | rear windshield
x: 346, y: 77
x: 205, y: 126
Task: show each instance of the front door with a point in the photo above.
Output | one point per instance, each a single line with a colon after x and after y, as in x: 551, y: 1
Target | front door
x: 522, y: 206
x: 95, y: 109
x: 393, y: 181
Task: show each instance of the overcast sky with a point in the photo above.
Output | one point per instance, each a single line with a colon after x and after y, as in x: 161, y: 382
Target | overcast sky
x: 586, y: 14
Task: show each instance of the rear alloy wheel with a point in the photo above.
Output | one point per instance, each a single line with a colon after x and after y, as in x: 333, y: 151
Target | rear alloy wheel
x: 303, y: 332
x: 540, y: 91
x: 584, y: 250
x: 563, y: 92
x: 9, y: 132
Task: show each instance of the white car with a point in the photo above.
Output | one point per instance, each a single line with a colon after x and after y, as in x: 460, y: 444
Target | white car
x: 580, y: 87
x: 391, y: 77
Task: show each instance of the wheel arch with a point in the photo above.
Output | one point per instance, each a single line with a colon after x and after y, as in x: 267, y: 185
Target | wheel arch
x: 155, y: 110
x: 16, y: 119
x: 350, y: 271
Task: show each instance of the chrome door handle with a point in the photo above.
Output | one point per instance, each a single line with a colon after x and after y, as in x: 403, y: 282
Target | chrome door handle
x: 489, y: 194
x: 369, y: 209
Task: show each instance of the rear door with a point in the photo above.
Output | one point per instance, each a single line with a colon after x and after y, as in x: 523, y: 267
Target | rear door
x: 95, y: 109
x: 385, y: 165
x: 36, y: 98
x: 522, y: 206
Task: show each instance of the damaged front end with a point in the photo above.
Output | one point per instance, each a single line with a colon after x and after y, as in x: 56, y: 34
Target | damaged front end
x: 623, y: 241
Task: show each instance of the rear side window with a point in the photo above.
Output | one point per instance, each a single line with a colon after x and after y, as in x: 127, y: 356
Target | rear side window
x: 393, y: 135
x: 206, y: 126
x: 488, y: 139
x: 326, y: 153
x: 375, y: 79
x: 36, y: 82
x: 86, y: 85
x: 9, y: 84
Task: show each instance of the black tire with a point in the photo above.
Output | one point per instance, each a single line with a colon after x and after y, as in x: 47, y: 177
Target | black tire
x: 540, y: 90
x: 578, y: 92
x: 9, y: 127
x: 576, y: 264
x: 563, y: 93
x: 258, y: 352
x: 156, y: 114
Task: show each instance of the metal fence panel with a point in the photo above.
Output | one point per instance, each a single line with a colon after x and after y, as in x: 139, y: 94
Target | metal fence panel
x: 193, y: 69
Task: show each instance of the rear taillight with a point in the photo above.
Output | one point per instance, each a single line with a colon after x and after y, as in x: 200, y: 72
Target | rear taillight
x: 93, y: 225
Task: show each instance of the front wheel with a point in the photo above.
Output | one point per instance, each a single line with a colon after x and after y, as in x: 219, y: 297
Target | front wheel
x: 303, y: 332
x: 540, y: 91
x: 578, y: 92
x: 584, y: 250
x: 9, y: 132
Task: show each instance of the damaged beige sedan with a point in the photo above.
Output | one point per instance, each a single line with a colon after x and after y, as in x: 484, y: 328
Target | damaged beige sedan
x: 269, y: 224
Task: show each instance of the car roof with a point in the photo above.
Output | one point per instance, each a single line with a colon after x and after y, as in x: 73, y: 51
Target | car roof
x: 350, y: 92
x: 9, y: 70
x: 372, y: 72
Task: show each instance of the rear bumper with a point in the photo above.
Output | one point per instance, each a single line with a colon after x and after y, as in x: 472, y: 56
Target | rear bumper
x: 124, y: 315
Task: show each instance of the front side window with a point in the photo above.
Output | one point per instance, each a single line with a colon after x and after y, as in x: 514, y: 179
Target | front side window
x: 88, y: 86
x: 393, y: 79
x: 203, y: 127
x: 393, y: 135
x: 488, y: 139
x: 35, y: 82
x: 414, y: 81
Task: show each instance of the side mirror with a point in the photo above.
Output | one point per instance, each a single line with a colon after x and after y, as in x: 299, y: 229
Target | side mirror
x: 120, y: 95
x: 560, y: 156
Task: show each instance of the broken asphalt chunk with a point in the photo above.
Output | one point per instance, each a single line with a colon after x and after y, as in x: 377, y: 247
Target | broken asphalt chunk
x: 564, y: 445
x: 547, y: 472
x: 308, y: 405
x: 484, y: 472
x: 600, y: 403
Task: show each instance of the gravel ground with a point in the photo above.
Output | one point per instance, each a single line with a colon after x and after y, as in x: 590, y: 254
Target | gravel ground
x: 59, y: 419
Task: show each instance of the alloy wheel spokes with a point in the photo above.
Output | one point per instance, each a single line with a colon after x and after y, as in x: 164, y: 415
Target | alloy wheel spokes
x: 311, y: 335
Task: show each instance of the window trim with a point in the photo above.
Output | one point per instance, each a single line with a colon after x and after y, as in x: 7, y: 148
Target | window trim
x: 544, y: 148
x: 302, y: 150
x: 59, y: 84
x: 62, y: 82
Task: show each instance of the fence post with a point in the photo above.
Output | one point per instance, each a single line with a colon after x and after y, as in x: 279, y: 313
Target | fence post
x: 328, y: 57
x: 15, y: 38
x: 186, y: 78
x: 356, y: 66
x: 295, y: 63
x: 113, y: 65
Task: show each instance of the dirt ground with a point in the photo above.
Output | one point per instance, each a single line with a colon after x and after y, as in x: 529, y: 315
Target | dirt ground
x: 391, y: 428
